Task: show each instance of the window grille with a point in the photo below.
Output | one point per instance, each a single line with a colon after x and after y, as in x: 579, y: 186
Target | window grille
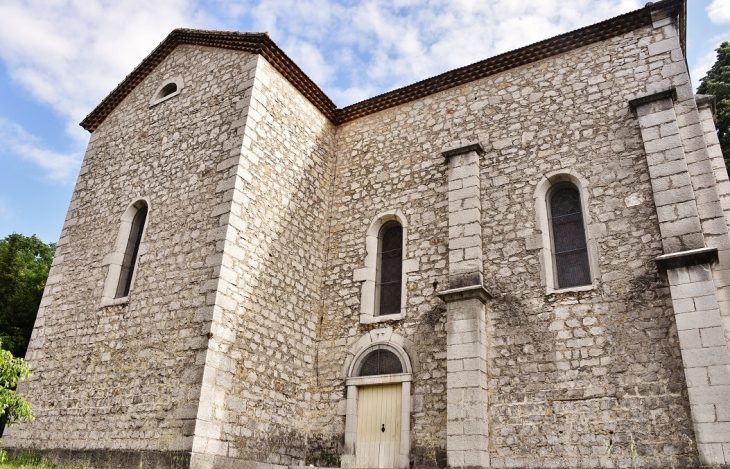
x: 380, y: 362
x: 130, y: 254
x: 569, y: 239
x: 391, y: 269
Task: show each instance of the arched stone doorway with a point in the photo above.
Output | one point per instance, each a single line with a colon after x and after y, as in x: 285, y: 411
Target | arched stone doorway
x: 377, y: 423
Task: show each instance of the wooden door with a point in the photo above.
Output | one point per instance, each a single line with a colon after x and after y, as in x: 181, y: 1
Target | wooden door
x: 378, y: 426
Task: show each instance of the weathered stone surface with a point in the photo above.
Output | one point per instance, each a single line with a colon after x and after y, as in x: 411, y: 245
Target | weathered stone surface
x: 127, y: 377
x: 245, y: 314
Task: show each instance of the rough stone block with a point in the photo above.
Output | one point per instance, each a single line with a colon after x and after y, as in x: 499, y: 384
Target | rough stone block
x: 703, y: 413
x: 707, y: 356
x: 674, y: 196
x: 715, y: 432
x: 712, y: 337
x: 678, y: 276
x: 719, y: 375
x: 663, y: 144
x: 682, y: 227
x: 690, y: 339
x: 709, y: 395
x: 698, y: 320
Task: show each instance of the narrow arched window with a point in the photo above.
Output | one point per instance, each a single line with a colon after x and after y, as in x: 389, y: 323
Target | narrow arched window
x: 570, y: 251
x: 130, y: 253
x: 167, y: 90
x: 390, y: 269
x: 380, y: 362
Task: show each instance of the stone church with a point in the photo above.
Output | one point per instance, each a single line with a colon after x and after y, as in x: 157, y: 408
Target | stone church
x: 524, y: 262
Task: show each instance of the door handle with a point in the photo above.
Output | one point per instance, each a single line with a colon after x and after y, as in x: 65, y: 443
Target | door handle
x: 382, y: 429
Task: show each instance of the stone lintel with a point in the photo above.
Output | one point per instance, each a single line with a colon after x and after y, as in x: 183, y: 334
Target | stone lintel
x: 707, y: 100
x: 651, y: 97
x: 687, y: 258
x: 465, y: 293
x: 461, y: 147
x: 379, y: 379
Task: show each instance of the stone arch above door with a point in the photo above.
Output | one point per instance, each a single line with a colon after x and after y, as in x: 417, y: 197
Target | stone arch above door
x: 392, y: 346
x: 384, y: 335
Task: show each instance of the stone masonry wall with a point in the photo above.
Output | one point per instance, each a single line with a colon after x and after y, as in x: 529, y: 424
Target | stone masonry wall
x: 245, y: 308
x: 128, y: 376
x: 571, y: 373
x: 260, y: 383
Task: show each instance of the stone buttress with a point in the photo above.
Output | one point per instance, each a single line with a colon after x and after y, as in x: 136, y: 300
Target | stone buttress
x: 687, y: 183
x: 467, y: 433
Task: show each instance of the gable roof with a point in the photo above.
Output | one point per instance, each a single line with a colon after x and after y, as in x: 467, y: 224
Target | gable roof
x: 255, y: 43
x: 261, y: 44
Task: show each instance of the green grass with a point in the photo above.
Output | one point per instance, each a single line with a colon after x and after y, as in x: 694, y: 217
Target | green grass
x: 32, y: 461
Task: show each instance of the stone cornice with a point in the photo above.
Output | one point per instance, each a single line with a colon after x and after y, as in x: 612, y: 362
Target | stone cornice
x: 707, y: 100
x: 462, y: 147
x: 651, y: 97
x: 687, y: 258
x: 465, y: 293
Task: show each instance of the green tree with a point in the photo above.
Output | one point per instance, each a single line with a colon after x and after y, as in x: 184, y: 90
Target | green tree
x: 13, y: 406
x: 24, y: 265
x: 717, y: 82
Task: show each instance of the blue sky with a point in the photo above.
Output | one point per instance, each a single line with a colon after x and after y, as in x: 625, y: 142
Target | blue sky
x: 59, y: 58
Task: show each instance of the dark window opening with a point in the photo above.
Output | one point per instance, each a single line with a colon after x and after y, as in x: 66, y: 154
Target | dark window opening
x: 380, y: 362
x: 390, y: 268
x: 569, y: 238
x: 167, y: 90
x: 130, y: 254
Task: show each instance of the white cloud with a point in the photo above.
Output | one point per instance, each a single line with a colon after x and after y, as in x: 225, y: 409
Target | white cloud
x: 379, y: 45
x: 311, y: 60
x: 702, y: 64
x: 69, y: 54
x: 719, y: 11
x: 701, y: 67
x: 402, y: 42
x: 60, y: 167
x: 348, y: 47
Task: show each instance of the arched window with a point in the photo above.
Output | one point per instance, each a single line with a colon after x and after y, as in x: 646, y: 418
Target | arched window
x: 130, y: 253
x: 390, y: 269
x: 124, y: 257
x: 570, y: 250
x: 384, y: 276
x: 168, y: 89
x: 380, y: 362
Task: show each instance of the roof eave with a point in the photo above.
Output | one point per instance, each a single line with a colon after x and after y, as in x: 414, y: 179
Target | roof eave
x: 532, y: 53
x: 261, y: 44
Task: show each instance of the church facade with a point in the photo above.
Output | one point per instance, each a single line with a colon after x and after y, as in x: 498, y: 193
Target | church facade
x: 524, y: 262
